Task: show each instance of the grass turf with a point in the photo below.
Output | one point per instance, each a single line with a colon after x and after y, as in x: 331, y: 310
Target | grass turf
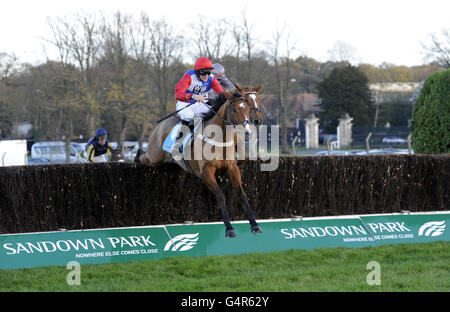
x: 408, y: 267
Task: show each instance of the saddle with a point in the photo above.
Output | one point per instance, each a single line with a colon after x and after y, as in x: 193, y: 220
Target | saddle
x: 175, y: 144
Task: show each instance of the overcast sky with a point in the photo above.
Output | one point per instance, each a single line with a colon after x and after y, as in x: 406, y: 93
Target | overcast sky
x: 380, y: 31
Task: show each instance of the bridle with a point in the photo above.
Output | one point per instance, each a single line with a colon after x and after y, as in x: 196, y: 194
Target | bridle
x: 229, y: 143
x: 245, y: 122
x: 232, y: 123
x: 253, y: 108
x: 255, y: 93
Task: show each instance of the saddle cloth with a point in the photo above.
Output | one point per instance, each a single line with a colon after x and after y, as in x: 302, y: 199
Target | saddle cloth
x: 171, y: 138
x: 178, y: 149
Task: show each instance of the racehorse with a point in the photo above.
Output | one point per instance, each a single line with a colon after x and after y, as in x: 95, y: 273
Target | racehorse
x: 234, y: 116
x: 116, y: 155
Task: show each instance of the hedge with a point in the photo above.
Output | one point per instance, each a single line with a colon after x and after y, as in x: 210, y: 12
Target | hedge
x: 431, y: 116
x: 81, y: 196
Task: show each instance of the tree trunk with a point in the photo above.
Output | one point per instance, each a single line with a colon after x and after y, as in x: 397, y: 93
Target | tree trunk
x: 68, y: 134
x: 283, y: 119
x: 123, y: 133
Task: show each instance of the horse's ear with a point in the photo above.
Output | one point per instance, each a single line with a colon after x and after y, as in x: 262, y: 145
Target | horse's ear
x: 257, y: 89
x: 228, y: 94
x: 238, y: 86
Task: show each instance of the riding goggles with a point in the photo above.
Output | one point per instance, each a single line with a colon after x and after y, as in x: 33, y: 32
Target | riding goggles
x: 204, y: 72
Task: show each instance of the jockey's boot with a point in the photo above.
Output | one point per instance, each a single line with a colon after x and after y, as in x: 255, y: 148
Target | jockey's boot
x: 179, y: 145
x: 191, y: 126
x: 189, y: 123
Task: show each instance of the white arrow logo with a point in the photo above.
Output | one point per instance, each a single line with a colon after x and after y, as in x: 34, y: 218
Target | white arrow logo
x: 182, y: 242
x: 434, y: 228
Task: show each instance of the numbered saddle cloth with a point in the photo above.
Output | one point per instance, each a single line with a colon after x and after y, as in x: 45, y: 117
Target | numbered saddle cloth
x: 176, y: 148
x: 171, y: 138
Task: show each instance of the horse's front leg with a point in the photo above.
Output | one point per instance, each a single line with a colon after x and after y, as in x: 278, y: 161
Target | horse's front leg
x: 234, y: 175
x: 208, y: 175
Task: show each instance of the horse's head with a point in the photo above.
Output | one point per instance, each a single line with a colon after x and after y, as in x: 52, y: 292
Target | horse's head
x: 116, y: 155
x: 238, y: 110
x: 252, y: 96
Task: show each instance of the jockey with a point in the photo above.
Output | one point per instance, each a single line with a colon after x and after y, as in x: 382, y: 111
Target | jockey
x: 193, y: 89
x: 219, y: 73
x: 98, y: 146
x: 225, y: 83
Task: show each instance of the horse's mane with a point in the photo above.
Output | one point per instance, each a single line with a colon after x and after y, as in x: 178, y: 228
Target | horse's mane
x: 221, y: 98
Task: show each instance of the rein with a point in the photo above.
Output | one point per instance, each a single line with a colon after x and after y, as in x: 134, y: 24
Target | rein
x: 215, y: 143
x: 230, y: 143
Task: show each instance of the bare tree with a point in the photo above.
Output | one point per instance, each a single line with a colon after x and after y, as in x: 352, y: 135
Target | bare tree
x: 275, y: 55
x: 210, y: 37
x: 117, y: 72
x: 342, y: 52
x: 437, y: 49
x: 165, y: 49
x: 237, y: 34
x: 140, y: 49
x: 156, y: 48
x: 283, y: 69
x: 81, y: 37
x: 8, y: 66
x: 381, y: 75
x: 62, y: 88
x: 249, y: 43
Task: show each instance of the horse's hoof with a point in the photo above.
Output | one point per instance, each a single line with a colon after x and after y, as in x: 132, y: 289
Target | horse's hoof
x: 230, y: 233
x: 256, y: 229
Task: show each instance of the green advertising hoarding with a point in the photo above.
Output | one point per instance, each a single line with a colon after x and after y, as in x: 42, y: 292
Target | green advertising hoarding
x: 85, y: 247
x: 192, y: 240
x: 277, y: 235
x: 408, y: 228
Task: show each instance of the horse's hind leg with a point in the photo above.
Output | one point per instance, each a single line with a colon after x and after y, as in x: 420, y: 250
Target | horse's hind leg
x: 208, y: 174
x: 234, y: 175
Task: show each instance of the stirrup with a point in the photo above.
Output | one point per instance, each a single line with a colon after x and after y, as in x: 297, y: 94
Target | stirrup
x: 189, y: 123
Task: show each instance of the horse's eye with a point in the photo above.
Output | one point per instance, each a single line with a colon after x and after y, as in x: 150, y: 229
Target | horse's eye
x: 233, y: 110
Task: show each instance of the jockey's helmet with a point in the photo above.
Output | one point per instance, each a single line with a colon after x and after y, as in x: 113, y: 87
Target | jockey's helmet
x: 100, y: 131
x: 203, y: 64
x: 219, y: 70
